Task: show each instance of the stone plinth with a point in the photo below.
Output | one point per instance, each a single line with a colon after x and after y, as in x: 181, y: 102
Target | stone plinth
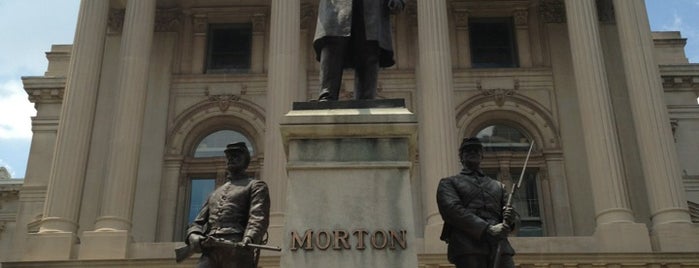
x: 349, y: 201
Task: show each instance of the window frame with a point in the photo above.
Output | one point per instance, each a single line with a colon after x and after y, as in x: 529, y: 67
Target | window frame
x: 210, y: 53
x: 511, y: 35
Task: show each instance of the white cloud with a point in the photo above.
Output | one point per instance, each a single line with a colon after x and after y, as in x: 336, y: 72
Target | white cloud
x: 15, y: 111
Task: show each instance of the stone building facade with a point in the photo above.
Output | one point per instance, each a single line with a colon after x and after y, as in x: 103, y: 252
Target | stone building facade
x: 131, y: 121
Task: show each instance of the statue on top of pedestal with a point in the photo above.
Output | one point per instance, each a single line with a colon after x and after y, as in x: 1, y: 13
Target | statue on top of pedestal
x: 353, y: 34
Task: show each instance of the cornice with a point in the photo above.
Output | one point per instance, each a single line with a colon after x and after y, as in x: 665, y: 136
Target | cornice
x: 42, y: 89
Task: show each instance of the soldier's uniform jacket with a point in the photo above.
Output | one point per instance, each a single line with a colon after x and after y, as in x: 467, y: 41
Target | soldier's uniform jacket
x: 234, y: 210
x: 469, y: 202
x: 335, y: 19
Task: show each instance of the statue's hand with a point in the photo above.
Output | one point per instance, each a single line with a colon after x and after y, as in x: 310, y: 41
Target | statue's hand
x: 509, y: 214
x: 396, y: 5
x: 195, y: 242
x: 244, y: 243
x: 499, y: 230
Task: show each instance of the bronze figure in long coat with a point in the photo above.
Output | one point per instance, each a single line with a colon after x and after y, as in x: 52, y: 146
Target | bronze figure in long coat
x: 353, y: 34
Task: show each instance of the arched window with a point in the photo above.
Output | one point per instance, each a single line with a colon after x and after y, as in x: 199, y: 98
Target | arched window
x: 505, y: 149
x: 206, y: 167
x: 214, y: 144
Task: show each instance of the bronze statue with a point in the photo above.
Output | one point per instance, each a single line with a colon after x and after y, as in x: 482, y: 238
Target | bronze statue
x: 234, y: 217
x: 476, y: 218
x: 353, y: 34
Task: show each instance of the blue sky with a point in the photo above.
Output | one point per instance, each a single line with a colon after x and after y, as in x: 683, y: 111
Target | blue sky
x: 29, y: 27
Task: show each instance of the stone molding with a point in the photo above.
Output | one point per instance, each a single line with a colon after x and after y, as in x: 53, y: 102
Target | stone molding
x: 480, y: 110
x: 188, y: 124
x: 44, y: 89
x: 679, y: 82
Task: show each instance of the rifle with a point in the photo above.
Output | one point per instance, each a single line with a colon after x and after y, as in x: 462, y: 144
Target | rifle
x: 185, y: 252
x: 515, y: 187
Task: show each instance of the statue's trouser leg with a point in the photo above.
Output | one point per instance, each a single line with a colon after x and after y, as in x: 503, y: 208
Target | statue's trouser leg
x: 331, y: 62
x: 366, y: 70
x: 365, y: 56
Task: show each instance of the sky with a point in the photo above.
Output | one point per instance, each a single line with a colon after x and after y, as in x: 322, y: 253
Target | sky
x: 30, y: 27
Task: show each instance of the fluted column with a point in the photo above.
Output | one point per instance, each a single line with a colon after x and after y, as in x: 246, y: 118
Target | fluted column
x: 77, y: 115
x: 67, y: 176
x: 111, y: 237
x: 609, y: 192
x: 661, y: 167
x: 125, y: 146
x: 438, y: 149
x: 282, y: 87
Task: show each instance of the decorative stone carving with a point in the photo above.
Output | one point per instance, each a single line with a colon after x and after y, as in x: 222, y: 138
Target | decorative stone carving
x: 45, y: 95
x: 552, y: 11
x: 224, y: 96
x: 521, y: 17
x: 259, y: 23
x: 499, y: 94
x: 200, y: 23
x: 461, y: 18
x: 115, y: 22
x: 168, y: 20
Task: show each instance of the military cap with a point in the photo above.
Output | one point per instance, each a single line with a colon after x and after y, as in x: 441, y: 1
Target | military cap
x: 469, y: 142
x: 238, y: 146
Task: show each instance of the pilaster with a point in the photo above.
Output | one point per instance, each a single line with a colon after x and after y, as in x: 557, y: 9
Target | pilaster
x: 438, y: 149
x: 615, y: 221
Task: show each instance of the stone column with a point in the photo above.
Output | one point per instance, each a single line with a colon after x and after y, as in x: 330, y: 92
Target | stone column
x: 111, y: 236
x: 668, y: 205
x: 438, y: 149
x: 57, y: 232
x: 616, y: 229
x: 281, y: 89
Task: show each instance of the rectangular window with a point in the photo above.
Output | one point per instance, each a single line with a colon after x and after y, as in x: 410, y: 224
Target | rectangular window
x: 199, y: 191
x: 493, y: 43
x: 229, y: 48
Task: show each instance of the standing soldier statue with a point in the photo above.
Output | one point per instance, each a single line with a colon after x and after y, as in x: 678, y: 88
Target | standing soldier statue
x: 234, y: 219
x: 353, y: 34
x: 476, y: 218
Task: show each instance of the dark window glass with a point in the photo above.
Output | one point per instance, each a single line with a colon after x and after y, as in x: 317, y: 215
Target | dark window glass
x: 492, y: 43
x: 229, y: 48
x: 214, y: 144
x: 199, y: 191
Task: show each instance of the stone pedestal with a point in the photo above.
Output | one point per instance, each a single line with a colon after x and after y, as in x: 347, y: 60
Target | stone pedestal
x: 349, y: 201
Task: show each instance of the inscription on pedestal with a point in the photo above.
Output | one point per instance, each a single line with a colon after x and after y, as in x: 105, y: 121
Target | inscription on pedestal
x: 342, y: 239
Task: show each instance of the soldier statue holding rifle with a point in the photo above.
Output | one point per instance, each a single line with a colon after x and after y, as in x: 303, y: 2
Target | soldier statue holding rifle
x: 233, y: 221
x: 477, y: 214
